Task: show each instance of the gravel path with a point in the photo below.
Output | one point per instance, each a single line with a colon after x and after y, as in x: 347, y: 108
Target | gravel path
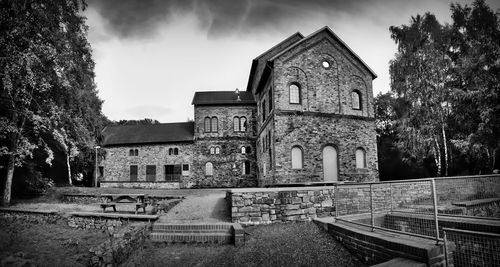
x: 206, y: 207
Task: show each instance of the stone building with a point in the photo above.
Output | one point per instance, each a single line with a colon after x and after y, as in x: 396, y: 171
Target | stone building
x: 307, y: 116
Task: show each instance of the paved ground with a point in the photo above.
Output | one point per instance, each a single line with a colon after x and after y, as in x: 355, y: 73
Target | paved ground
x: 206, y: 207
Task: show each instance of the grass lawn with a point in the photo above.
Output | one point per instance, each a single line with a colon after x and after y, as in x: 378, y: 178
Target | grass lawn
x: 29, y: 244
x: 290, y: 244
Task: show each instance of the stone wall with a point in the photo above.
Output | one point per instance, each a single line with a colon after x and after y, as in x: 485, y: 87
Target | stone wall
x: 30, y: 216
x: 312, y: 133
x: 145, y: 185
x: 270, y: 205
x: 228, y: 170
x: 95, y: 223
x: 117, y: 162
x: 324, y: 116
x: 120, y: 246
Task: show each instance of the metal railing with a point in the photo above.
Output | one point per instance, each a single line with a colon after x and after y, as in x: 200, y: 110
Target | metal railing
x: 413, y: 207
x: 472, y: 248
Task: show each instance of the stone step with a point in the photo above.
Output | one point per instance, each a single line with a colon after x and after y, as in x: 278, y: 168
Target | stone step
x: 193, y: 228
x: 216, y: 238
x: 219, y: 233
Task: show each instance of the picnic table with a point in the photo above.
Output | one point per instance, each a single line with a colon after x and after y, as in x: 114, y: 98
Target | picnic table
x: 112, y: 200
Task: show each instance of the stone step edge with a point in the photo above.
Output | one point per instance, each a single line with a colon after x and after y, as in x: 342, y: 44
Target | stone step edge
x: 198, y: 238
x: 182, y: 227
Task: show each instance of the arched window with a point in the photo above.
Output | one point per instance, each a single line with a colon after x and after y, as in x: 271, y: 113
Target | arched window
x: 212, y: 150
x: 245, y: 167
x: 215, y: 125
x: 243, y: 124
x: 356, y: 100
x: 209, y: 169
x: 243, y: 150
x: 294, y: 91
x: 249, y: 149
x: 170, y: 151
x: 131, y: 152
x: 296, y: 157
x: 176, y: 151
x: 207, y: 125
x: 236, y: 124
x: 136, y: 152
x: 360, y: 158
x: 217, y: 150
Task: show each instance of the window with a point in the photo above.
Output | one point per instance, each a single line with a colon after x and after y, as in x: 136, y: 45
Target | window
x: 133, y: 173
x: 133, y: 152
x: 173, y: 173
x: 150, y: 173
x: 209, y: 169
x: 294, y: 93
x: 249, y: 149
x: 239, y: 124
x: 136, y: 152
x: 325, y: 64
x: 356, y: 100
x: 207, y: 124
x: 296, y: 157
x: 360, y: 158
x: 217, y: 150
x: 263, y: 110
x: 176, y: 151
x: 236, y: 124
x: 245, y: 167
x: 243, y: 150
x: 185, y: 169
x: 243, y: 124
x: 215, y: 125
x: 170, y: 151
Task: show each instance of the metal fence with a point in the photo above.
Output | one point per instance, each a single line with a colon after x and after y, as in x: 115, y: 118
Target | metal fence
x: 415, y: 207
x: 472, y: 248
x: 402, y: 206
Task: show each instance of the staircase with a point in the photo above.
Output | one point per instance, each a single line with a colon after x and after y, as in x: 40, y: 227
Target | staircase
x: 215, y: 233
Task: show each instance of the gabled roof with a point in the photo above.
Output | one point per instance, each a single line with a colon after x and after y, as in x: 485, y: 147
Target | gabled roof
x: 262, y: 65
x: 148, y: 134
x: 223, y: 97
x: 329, y: 31
x: 259, y: 63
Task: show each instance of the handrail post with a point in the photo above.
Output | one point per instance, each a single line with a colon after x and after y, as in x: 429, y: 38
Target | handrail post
x: 434, y: 201
x: 336, y: 198
x: 371, y: 208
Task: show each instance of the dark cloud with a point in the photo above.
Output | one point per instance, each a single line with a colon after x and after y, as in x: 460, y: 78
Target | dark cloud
x: 142, y: 18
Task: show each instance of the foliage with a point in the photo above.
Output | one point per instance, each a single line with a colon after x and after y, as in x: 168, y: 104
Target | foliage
x: 445, y: 88
x: 48, y: 97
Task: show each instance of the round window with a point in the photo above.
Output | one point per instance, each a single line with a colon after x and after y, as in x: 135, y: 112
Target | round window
x: 325, y: 64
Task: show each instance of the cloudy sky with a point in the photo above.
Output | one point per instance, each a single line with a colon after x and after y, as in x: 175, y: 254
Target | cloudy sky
x: 152, y: 55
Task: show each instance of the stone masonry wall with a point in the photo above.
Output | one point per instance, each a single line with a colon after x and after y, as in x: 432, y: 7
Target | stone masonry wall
x: 324, y: 116
x: 312, y: 133
x: 264, y: 206
x: 228, y: 165
x: 117, y: 162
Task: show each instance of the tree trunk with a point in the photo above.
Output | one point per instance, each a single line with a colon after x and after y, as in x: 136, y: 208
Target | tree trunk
x: 437, y: 157
x: 10, y: 174
x: 445, y: 145
x: 69, y: 168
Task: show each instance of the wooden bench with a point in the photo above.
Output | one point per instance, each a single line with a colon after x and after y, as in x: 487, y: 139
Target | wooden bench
x: 114, y: 204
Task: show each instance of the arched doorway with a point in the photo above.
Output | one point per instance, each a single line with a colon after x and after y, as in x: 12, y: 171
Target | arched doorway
x: 330, y: 168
